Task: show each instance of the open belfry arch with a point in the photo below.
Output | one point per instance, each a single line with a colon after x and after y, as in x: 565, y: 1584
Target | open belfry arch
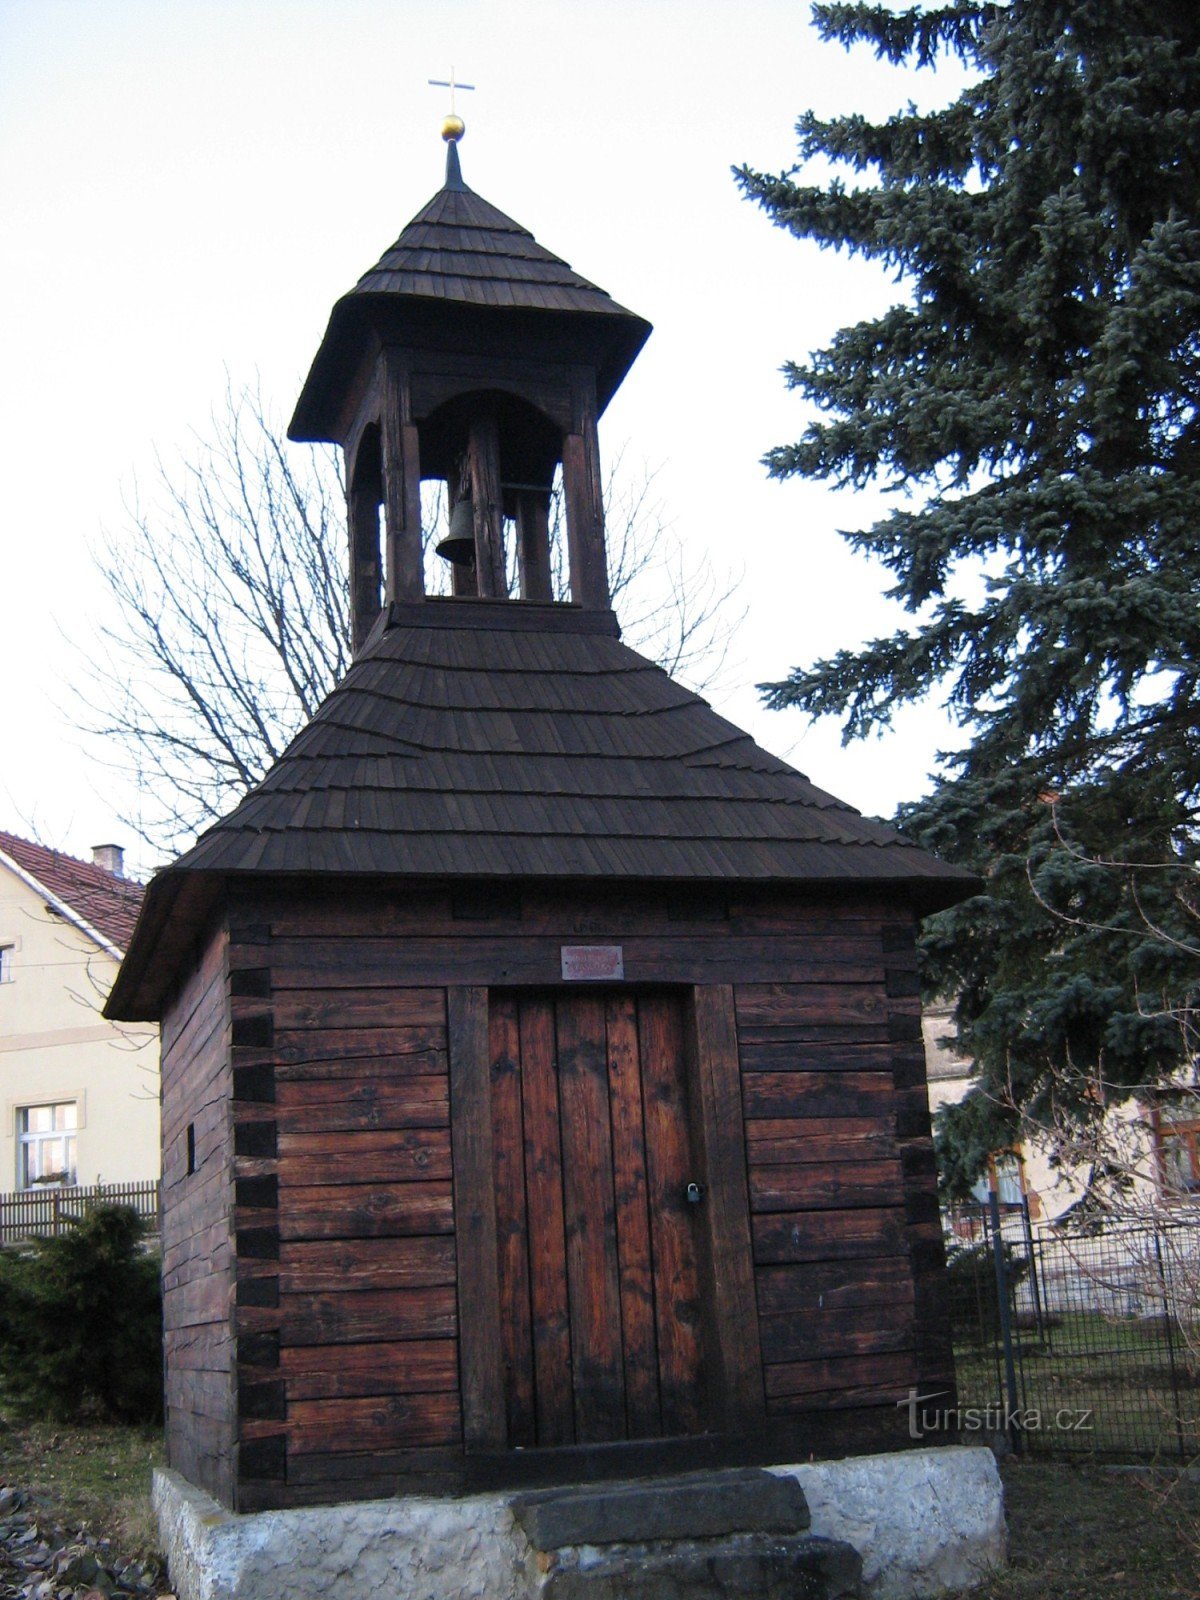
x: 543, y: 1089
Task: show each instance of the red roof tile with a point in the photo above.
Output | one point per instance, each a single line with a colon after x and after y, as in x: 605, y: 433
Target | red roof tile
x: 101, y: 899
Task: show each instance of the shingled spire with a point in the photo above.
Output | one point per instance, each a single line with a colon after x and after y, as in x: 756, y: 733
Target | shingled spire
x: 471, y: 354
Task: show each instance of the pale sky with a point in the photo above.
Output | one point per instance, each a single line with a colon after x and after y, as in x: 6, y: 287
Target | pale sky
x: 187, y: 187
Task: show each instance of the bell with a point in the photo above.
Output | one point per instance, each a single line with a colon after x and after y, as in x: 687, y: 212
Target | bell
x: 458, y: 547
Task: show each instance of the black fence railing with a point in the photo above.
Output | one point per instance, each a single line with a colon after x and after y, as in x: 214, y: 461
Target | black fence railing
x: 1070, y: 1340
x: 44, y: 1213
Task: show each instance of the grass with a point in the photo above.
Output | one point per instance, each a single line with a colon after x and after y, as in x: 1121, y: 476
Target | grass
x: 1119, y: 1370
x: 87, y: 1474
x: 1080, y: 1532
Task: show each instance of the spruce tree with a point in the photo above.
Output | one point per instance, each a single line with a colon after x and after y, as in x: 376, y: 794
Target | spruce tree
x: 1035, y: 392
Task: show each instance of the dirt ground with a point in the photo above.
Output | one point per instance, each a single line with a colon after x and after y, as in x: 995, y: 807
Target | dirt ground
x: 1079, y: 1532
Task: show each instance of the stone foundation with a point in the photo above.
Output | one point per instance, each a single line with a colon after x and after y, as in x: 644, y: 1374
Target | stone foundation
x: 922, y: 1522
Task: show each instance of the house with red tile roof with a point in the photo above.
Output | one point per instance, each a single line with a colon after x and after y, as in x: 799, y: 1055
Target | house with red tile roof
x: 78, y: 1094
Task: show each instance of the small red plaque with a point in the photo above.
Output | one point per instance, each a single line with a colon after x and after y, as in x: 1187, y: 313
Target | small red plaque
x: 597, y: 962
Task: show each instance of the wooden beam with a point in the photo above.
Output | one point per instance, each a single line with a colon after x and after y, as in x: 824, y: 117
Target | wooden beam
x: 533, y: 544
x: 475, y: 1220
x: 727, y: 1205
x: 483, y: 455
x: 401, y: 485
x: 365, y: 561
x: 583, y: 492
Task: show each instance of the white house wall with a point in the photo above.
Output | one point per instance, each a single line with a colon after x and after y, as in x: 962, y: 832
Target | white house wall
x: 55, y: 1046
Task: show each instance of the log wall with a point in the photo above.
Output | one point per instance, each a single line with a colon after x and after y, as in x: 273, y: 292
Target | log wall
x: 197, y: 1247
x: 347, y: 1300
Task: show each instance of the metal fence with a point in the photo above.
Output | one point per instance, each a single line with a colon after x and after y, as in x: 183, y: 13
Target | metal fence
x: 1071, y: 1340
x: 45, y: 1213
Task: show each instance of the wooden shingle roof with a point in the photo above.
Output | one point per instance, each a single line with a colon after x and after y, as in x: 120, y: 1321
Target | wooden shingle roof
x: 461, y: 253
x: 463, y: 249
x: 503, y: 739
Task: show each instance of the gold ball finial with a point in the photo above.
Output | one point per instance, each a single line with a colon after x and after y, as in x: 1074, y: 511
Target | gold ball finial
x: 453, y: 128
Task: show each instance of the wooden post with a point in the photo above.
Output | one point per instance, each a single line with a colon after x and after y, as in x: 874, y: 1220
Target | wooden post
x: 533, y: 543
x: 483, y: 455
x: 365, y: 561
x: 480, y: 1372
x: 727, y: 1205
x: 401, y: 486
x: 584, y: 497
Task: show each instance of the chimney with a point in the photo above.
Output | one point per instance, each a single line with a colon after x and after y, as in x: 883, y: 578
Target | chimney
x: 111, y: 857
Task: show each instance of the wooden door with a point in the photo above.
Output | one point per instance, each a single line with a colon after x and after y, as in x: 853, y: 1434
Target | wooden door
x: 601, y: 1331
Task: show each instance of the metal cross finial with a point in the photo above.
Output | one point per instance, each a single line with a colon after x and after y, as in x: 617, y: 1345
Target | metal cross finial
x: 449, y: 83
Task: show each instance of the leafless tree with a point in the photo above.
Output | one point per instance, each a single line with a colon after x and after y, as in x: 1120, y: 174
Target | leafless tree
x: 229, y: 615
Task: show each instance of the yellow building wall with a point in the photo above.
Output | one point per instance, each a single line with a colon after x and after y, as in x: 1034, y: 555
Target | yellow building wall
x: 55, y: 1046
x: 1053, y: 1186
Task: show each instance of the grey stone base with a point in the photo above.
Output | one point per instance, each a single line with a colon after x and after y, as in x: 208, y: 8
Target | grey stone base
x: 922, y: 1521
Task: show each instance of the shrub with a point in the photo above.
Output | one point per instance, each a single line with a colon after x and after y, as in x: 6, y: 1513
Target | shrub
x: 81, y: 1323
x: 971, y: 1287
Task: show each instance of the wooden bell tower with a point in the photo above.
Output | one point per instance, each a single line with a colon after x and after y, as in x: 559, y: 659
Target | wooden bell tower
x: 543, y: 1087
x: 488, y: 374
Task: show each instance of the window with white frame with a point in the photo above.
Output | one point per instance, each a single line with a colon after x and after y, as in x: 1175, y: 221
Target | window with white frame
x: 6, y: 962
x: 46, y: 1145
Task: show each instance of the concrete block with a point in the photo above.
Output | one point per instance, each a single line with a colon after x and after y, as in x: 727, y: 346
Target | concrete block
x: 924, y: 1521
x: 423, y: 1549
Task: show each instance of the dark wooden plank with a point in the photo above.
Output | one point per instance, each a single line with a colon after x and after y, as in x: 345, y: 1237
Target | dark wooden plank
x: 483, y: 1417
x: 331, y: 1371
x: 376, y: 1156
x: 639, y: 1338
x: 817, y: 1094
x: 812, y: 1378
x: 830, y: 1285
x: 673, y: 1221
x: 358, y: 963
x: 369, y: 1314
x: 781, y: 1236
x: 508, y: 1151
x: 589, y: 1213
x: 805, y: 1335
x: 296, y: 1045
x: 547, y: 1237
x: 822, y: 1050
x: 377, y: 1211
x: 326, y: 1068
x: 786, y: 1141
x: 835, y: 1184
x: 785, y: 1003
x: 385, y: 1422
x: 360, y: 1008
x: 726, y: 1209
x: 329, y: 1265
x: 340, y: 1104
x: 379, y: 1474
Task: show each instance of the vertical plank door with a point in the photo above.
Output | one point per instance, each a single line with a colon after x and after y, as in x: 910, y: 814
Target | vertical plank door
x: 602, y: 1327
